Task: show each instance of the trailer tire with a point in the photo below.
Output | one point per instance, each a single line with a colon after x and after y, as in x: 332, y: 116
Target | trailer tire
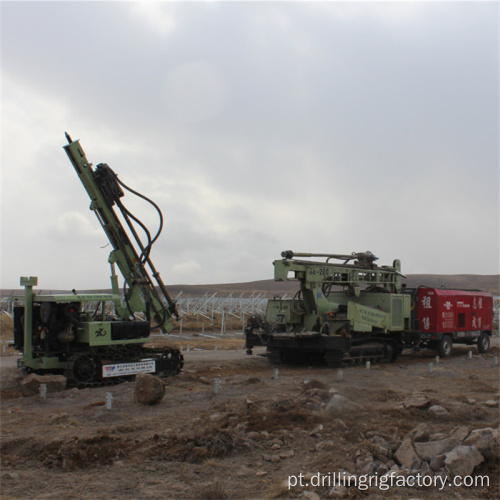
x: 445, y: 346
x: 483, y: 343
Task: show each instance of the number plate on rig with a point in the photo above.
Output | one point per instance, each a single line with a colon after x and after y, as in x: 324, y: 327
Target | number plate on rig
x: 121, y: 369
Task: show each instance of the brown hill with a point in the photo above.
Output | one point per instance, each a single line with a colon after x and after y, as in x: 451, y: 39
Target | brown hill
x: 487, y: 283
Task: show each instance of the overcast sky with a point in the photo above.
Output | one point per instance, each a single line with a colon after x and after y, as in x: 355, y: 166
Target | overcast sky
x: 256, y: 127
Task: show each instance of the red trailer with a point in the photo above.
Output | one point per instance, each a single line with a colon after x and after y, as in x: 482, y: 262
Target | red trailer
x: 454, y: 316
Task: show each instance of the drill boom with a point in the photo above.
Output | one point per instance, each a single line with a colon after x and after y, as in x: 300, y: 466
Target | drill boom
x: 103, y: 188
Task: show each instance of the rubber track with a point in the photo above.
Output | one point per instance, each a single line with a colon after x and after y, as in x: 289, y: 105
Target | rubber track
x: 336, y: 359
x: 118, y: 355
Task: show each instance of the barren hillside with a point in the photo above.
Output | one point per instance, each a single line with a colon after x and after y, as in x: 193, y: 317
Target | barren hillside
x: 487, y: 283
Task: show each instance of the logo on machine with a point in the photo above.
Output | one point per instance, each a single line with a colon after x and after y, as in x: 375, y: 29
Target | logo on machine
x: 122, y: 369
x: 448, y: 305
x: 100, y: 333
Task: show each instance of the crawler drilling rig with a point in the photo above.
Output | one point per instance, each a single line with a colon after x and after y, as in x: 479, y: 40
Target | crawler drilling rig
x: 350, y: 311
x: 57, y: 334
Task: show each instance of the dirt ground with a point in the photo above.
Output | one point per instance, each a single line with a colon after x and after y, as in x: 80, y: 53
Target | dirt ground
x: 245, y: 441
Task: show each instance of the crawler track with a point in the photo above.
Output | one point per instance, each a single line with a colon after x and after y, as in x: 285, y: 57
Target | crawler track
x: 85, y: 368
x: 374, y: 352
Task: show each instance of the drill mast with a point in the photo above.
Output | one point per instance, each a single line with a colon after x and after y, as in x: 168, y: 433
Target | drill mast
x: 140, y: 294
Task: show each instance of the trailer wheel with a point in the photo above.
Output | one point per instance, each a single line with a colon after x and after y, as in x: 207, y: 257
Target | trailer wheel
x: 445, y: 346
x: 483, y: 343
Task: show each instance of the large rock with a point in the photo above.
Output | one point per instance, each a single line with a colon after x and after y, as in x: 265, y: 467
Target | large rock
x: 485, y: 440
x: 365, y: 464
x: 310, y: 495
x: 316, y: 432
x: 327, y: 445
x: 426, y: 451
x: 437, y: 462
x: 460, y: 432
x: 314, y: 384
x: 31, y: 384
x: 149, y: 390
x: 439, y: 436
x: 319, y: 394
x: 462, y: 460
x: 425, y: 469
x: 419, y: 433
x: 437, y: 411
x: 382, y: 448
x: 416, y: 401
x: 406, y: 455
x: 338, y: 492
x: 339, y: 424
x: 340, y: 404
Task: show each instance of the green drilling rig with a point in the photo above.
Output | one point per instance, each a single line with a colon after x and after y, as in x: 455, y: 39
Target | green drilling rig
x: 56, y: 334
x: 350, y: 311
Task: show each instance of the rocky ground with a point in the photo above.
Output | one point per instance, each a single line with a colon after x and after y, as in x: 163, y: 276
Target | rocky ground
x: 263, y: 433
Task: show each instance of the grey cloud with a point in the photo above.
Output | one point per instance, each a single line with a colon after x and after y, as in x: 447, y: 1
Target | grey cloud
x: 257, y: 126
